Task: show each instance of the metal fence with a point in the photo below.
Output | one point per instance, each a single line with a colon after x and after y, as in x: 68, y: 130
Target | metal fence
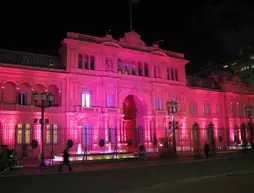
x: 101, y: 140
x: 84, y: 140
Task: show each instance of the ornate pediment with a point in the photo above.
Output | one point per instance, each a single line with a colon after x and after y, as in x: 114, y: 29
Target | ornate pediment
x: 132, y: 38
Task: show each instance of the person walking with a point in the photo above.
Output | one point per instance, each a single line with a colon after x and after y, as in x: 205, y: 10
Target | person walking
x: 206, y: 150
x: 66, y: 160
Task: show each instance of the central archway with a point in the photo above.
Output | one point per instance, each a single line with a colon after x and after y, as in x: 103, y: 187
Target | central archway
x: 134, y: 110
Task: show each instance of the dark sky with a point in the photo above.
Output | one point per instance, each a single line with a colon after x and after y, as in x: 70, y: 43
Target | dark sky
x: 208, y: 30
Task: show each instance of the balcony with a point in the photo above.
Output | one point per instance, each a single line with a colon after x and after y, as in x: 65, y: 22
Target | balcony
x: 202, y: 83
x: 26, y: 108
x: 80, y: 109
x: 112, y: 110
x: 29, y: 59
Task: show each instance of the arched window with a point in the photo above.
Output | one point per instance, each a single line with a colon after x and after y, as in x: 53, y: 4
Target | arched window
x: 86, y: 64
x: 19, y: 134
x: 168, y: 73
x: 80, y: 61
x: 92, y: 62
x: 24, y: 94
x: 10, y: 93
x: 133, y: 69
x: 119, y: 66
x: 195, y: 132
x: 86, y: 98
x: 140, y: 69
x: 27, y: 134
x: 126, y: 68
x: 146, y: 70
x: 56, y: 101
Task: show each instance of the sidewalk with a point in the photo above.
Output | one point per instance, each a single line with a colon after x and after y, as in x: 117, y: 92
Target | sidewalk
x: 34, y: 162
x: 104, y: 165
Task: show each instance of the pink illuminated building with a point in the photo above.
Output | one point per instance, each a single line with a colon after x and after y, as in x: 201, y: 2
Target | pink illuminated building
x: 117, y: 90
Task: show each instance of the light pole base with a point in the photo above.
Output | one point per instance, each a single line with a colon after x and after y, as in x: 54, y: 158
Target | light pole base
x: 42, y: 164
x: 174, y: 154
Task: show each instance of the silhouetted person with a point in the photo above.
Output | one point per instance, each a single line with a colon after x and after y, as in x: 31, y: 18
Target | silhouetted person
x: 4, y: 158
x: 206, y: 150
x: 66, y: 160
x: 142, y: 151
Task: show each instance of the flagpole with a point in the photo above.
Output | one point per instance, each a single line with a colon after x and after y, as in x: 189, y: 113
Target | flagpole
x: 130, y: 15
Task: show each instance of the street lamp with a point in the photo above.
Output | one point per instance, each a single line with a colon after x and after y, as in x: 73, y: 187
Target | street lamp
x: 172, y: 107
x: 248, y: 110
x: 44, y: 99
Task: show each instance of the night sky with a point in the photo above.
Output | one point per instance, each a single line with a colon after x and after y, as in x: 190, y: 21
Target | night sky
x: 203, y: 30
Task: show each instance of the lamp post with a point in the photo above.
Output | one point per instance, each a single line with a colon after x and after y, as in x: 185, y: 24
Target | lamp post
x: 248, y: 110
x: 44, y: 99
x: 172, y: 107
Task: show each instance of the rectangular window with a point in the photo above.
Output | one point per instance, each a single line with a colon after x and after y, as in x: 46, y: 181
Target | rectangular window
x: 21, y: 98
x: 48, y: 137
x: 86, y: 64
x: 133, y: 69
x: 193, y: 108
x: 80, y: 62
x: 109, y: 135
x: 55, y: 134
x: 233, y: 109
x: 140, y: 69
x: 158, y: 104
x: 172, y: 74
x: 176, y: 74
x: 220, y: 133
x: 86, y: 100
x: 168, y: 74
x: 207, y: 109
x: 19, y: 136
x: 109, y: 100
x: 113, y: 135
x: 92, y: 62
x: 27, y: 134
x: 218, y: 109
x: 240, y: 110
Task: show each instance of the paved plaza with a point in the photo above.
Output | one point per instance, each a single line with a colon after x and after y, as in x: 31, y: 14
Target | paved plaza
x: 144, y: 177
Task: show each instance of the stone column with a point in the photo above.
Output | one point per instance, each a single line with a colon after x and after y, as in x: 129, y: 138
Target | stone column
x: 105, y: 124
x: 118, y: 128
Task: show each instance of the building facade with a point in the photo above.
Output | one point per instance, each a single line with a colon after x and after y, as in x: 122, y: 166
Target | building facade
x: 116, y: 91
